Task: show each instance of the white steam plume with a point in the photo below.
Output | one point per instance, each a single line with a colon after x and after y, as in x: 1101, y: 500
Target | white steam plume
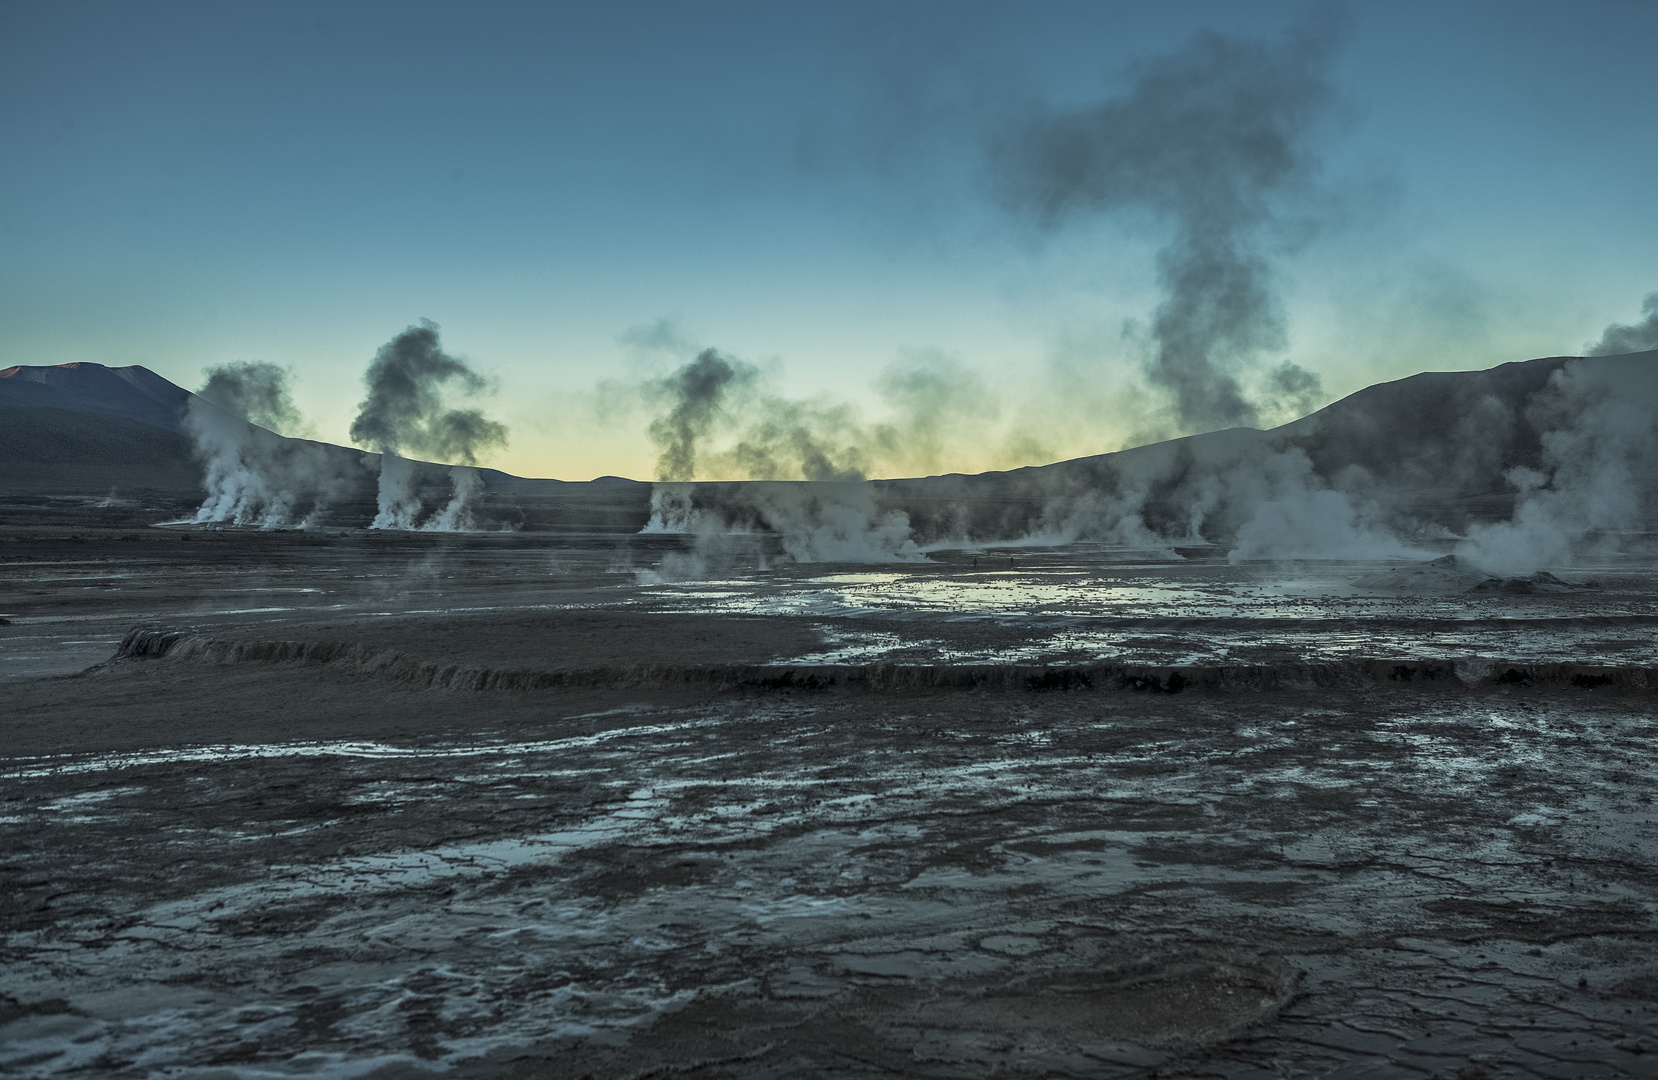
x: 824, y: 522
x: 253, y: 476
x: 457, y: 516
x: 1599, y: 471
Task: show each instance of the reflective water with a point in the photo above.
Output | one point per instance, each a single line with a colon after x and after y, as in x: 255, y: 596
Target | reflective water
x: 1066, y: 608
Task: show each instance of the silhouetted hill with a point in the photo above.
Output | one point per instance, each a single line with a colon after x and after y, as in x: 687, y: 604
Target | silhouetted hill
x: 81, y: 429
x: 1435, y: 447
x: 58, y: 451
x: 84, y: 429
x: 131, y: 393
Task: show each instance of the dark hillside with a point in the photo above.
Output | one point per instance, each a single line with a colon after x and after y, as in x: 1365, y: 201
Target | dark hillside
x: 1433, y: 448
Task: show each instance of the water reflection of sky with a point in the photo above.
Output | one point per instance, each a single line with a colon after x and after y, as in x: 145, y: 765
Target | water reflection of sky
x: 1184, y: 614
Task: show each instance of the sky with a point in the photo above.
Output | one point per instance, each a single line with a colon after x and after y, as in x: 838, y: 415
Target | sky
x: 583, y: 196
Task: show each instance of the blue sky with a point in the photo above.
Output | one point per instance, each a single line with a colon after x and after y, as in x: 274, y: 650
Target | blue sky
x: 803, y: 186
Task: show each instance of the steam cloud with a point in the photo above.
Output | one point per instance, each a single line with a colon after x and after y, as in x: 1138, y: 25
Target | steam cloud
x: 405, y: 411
x: 1587, y: 484
x: 694, y: 397
x: 821, y: 522
x: 1210, y: 138
x: 713, y: 413
x: 253, y: 476
x: 1331, y: 487
x: 1598, y: 472
x: 716, y: 418
x: 1640, y: 337
x: 255, y: 391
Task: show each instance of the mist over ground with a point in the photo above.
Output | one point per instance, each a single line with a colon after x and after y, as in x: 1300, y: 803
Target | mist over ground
x: 1525, y: 467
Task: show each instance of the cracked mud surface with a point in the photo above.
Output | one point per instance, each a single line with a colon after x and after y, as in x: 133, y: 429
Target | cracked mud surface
x: 287, y: 869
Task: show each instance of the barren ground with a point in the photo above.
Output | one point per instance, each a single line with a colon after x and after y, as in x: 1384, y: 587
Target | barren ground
x: 935, y: 820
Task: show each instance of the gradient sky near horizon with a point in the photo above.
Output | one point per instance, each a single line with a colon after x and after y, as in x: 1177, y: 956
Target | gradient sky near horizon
x: 582, y: 194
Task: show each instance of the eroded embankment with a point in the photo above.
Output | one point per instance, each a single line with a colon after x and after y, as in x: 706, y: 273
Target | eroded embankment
x: 388, y: 663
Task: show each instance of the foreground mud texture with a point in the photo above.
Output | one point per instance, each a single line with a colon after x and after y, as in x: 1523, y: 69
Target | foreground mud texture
x: 264, y: 842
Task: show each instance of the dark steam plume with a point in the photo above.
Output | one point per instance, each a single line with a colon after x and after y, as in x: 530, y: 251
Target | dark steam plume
x: 255, y: 391
x: 405, y: 410
x: 695, y: 398
x: 1620, y: 338
x: 716, y: 416
x: 821, y: 442
x: 1209, y: 137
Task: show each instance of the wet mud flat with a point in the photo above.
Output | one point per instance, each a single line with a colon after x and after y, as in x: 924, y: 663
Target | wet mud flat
x: 246, y: 864
x: 762, y: 883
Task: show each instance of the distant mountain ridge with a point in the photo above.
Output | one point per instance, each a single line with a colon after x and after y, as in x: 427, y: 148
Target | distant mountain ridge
x: 82, y: 428
x: 131, y: 393
x: 1445, y: 439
